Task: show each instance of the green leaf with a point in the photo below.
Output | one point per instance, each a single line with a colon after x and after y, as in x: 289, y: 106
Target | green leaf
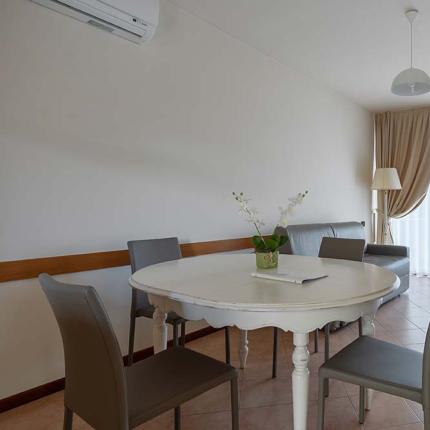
x: 257, y: 242
x: 272, y: 244
x: 283, y: 240
x: 275, y: 237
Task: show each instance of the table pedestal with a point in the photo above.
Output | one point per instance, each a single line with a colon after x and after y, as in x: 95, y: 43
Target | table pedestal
x: 300, y: 379
x: 243, y: 348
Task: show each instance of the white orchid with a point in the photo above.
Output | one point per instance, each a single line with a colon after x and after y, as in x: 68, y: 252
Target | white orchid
x: 273, y: 242
x: 251, y: 214
x: 285, y: 212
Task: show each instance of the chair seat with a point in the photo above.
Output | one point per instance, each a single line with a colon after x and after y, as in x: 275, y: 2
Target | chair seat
x: 148, y: 311
x: 170, y: 378
x: 380, y: 365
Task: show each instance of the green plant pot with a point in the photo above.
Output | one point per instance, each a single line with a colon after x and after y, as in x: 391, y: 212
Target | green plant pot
x: 267, y: 260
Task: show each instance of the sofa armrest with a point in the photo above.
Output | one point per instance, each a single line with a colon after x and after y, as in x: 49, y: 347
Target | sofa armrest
x: 393, y: 250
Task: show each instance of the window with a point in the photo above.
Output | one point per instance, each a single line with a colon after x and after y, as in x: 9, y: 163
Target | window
x: 413, y: 230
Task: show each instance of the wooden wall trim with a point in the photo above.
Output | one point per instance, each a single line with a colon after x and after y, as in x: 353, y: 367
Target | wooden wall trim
x: 31, y: 268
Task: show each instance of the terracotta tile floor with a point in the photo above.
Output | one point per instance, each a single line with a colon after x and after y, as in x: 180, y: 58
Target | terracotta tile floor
x: 266, y: 403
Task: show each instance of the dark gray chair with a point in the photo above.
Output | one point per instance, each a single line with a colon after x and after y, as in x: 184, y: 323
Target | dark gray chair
x: 381, y: 366
x: 331, y: 247
x: 342, y: 249
x: 108, y: 395
x: 144, y: 253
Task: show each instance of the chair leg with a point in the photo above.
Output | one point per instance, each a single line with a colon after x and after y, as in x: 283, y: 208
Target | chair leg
x: 183, y: 334
x: 316, y: 335
x: 178, y: 418
x: 361, y: 405
x: 426, y: 419
x: 227, y: 345
x: 321, y: 403
x: 68, y: 418
x: 327, y: 342
x: 175, y: 333
x: 275, y: 352
x: 360, y: 327
x: 234, y: 404
x: 326, y: 355
x: 132, y: 328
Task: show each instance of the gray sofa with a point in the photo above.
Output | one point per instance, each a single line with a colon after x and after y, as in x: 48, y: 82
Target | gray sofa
x: 305, y: 239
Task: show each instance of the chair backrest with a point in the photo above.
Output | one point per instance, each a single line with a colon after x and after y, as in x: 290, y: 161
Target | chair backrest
x: 343, y: 249
x: 95, y: 376
x: 426, y: 372
x: 146, y: 252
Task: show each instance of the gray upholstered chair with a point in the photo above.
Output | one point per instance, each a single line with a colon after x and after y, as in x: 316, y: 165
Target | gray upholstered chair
x: 342, y: 249
x: 381, y: 366
x: 331, y: 247
x: 144, y: 253
x: 108, y: 395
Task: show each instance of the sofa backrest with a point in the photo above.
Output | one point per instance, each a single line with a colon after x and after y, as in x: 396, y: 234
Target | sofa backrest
x: 305, y: 239
x: 348, y: 230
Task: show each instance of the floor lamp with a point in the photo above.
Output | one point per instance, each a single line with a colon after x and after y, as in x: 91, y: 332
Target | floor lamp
x: 386, y: 179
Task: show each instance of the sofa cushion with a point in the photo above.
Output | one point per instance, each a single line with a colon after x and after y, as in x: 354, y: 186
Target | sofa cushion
x: 398, y: 265
x: 305, y: 239
x: 348, y: 230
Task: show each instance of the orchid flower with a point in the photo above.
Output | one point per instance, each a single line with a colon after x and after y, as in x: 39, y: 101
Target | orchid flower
x: 293, y: 202
x: 250, y: 214
x: 273, y: 242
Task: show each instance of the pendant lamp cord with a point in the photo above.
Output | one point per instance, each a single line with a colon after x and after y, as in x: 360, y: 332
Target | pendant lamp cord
x: 411, y: 22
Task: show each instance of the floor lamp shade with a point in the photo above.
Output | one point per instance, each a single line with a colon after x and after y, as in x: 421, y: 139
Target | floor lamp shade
x: 385, y: 179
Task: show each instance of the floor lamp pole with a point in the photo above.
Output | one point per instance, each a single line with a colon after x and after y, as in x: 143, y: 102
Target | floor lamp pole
x: 385, y: 179
x: 386, y: 225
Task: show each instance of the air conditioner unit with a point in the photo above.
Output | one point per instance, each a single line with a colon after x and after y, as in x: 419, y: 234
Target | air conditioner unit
x: 135, y: 20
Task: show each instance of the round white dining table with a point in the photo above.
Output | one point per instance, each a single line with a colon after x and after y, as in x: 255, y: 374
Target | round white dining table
x: 219, y: 288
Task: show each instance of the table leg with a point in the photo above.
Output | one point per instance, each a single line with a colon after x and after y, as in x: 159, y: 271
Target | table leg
x: 243, y: 348
x: 300, y: 380
x: 159, y: 330
x: 368, y: 329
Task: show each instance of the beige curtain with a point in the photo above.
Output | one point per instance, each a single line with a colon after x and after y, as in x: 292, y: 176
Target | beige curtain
x: 403, y: 141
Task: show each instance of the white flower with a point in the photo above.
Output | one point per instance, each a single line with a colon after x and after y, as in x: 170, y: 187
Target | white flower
x: 250, y: 214
x: 285, y: 212
x: 283, y: 220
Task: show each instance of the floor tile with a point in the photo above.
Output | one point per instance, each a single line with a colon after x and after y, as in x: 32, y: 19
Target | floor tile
x: 387, y: 411
x: 215, y: 400
x: 416, y: 426
x: 265, y: 392
x: 339, y: 415
x: 409, y: 337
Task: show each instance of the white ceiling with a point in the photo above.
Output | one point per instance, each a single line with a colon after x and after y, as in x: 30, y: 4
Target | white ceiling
x: 354, y: 46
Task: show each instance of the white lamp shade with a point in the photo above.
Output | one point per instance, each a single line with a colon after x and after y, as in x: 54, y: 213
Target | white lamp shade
x: 411, y: 82
x: 386, y: 179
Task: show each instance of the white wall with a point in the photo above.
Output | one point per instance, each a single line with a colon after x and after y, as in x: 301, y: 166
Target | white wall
x: 102, y: 140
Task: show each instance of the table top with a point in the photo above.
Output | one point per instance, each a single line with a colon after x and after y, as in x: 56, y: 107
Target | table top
x: 224, y: 281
